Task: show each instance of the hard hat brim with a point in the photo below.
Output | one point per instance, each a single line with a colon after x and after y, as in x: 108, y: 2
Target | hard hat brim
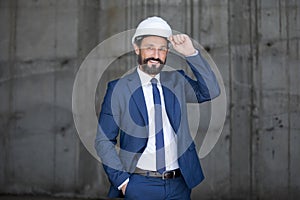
x: 151, y: 32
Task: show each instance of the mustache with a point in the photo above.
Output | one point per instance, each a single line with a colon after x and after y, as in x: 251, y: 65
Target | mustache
x: 151, y: 58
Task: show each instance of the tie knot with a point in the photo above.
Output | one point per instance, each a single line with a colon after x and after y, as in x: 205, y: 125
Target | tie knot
x: 154, y: 81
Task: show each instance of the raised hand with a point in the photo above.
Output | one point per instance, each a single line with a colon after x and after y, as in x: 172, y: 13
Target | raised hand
x: 182, y: 44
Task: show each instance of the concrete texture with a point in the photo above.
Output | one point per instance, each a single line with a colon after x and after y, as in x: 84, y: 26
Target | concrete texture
x: 255, y: 44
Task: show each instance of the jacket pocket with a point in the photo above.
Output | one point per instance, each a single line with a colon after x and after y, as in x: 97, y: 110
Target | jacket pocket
x: 127, y: 191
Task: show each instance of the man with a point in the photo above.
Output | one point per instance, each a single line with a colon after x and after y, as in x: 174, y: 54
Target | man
x: 146, y: 111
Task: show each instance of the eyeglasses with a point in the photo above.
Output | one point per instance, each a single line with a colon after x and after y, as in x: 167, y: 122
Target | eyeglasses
x: 152, y: 49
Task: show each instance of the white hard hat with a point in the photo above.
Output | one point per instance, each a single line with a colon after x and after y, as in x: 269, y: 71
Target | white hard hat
x: 153, y: 26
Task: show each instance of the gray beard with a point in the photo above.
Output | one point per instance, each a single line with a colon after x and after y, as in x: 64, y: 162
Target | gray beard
x: 152, y: 70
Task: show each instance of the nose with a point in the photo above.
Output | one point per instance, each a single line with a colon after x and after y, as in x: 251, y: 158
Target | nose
x: 156, y: 53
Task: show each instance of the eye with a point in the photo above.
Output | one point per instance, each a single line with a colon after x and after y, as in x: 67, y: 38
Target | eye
x: 163, y: 49
x: 150, y: 48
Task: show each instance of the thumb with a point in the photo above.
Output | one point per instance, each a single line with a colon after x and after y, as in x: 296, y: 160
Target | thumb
x: 172, y: 40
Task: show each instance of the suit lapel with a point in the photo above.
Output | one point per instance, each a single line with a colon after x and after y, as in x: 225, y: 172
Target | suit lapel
x: 134, y: 84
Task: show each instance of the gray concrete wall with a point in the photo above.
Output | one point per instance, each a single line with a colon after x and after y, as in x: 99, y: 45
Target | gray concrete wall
x: 255, y: 44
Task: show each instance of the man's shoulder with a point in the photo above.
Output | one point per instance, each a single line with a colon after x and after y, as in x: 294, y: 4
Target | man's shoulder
x: 122, y: 80
x: 173, y: 74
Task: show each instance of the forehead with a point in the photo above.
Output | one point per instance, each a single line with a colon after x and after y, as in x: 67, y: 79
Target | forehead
x: 154, y: 40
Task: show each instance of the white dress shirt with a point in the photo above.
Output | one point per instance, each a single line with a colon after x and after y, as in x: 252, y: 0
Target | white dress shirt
x: 147, y: 160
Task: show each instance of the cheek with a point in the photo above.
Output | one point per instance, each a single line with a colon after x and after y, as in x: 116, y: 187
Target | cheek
x: 145, y: 55
x: 163, y: 57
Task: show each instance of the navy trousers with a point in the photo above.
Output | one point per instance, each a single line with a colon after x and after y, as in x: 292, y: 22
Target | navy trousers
x: 149, y: 188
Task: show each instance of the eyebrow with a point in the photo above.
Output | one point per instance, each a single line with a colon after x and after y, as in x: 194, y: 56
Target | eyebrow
x: 154, y: 45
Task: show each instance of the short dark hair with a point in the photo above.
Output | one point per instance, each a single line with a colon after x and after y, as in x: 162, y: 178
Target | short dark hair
x: 138, y: 40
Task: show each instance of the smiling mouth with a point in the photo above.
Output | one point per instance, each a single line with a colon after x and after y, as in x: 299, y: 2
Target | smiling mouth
x: 153, y: 62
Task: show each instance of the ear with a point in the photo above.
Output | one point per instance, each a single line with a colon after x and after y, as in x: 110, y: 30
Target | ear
x: 136, y: 49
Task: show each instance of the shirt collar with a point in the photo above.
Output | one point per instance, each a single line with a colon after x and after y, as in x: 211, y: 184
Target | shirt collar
x: 146, y: 78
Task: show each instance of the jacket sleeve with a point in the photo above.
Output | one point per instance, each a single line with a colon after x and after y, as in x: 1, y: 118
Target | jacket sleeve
x: 206, y: 86
x: 106, y: 139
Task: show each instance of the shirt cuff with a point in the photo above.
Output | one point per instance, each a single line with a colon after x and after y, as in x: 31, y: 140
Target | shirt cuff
x: 125, y: 182
x: 194, y: 54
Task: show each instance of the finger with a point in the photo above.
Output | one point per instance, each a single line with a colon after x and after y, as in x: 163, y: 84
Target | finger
x: 171, y: 39
x: 178, y: 39
x: 183, y: 38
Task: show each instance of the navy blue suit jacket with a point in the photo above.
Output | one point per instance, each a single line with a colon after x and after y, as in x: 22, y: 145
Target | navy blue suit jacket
x: 124, y: 114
